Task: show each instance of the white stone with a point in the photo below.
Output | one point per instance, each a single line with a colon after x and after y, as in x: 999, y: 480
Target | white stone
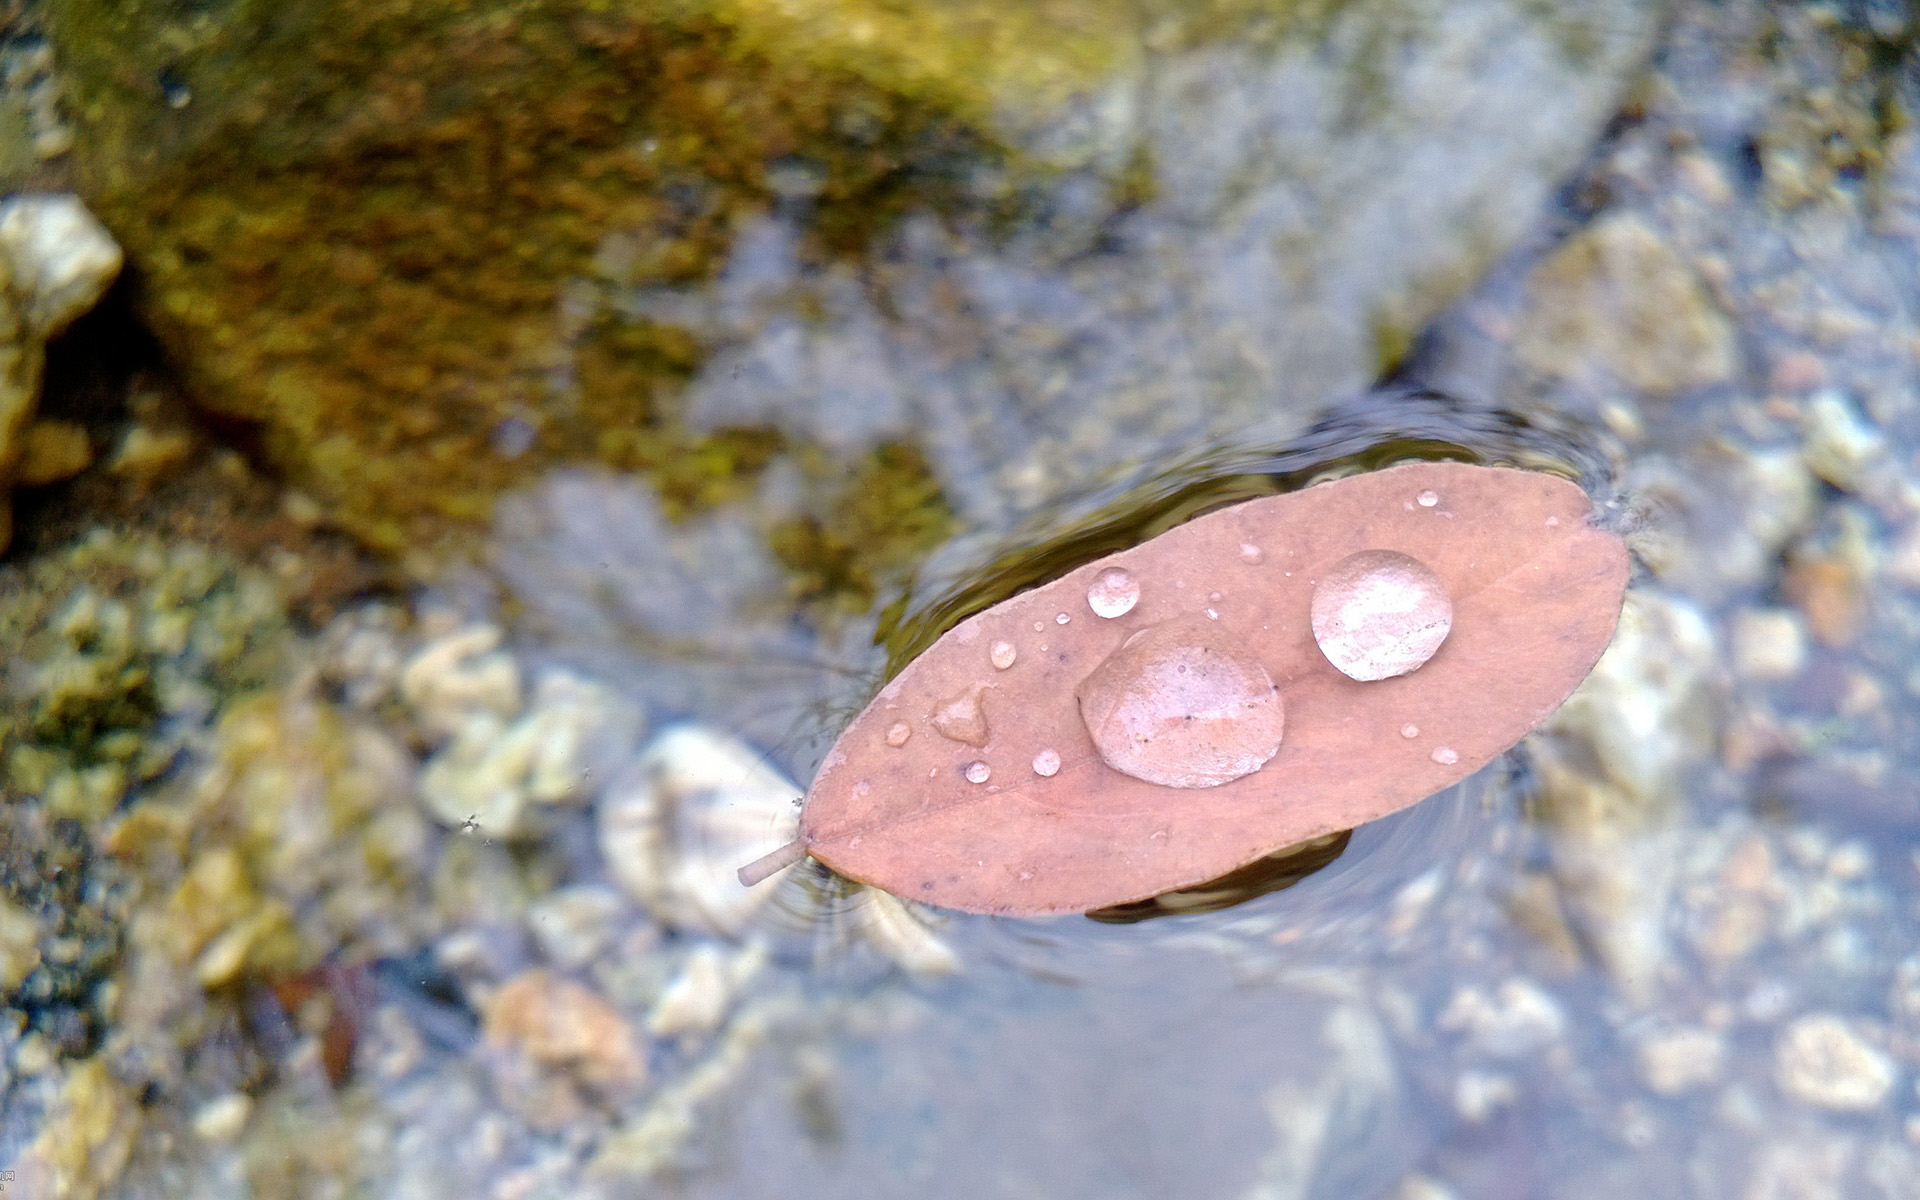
x: 1519, y: 1019
x: 575, y: 925
x: 1769, y: 644
x: 61, y: 259
x: 676, y: 827
x: 223, y: 1118
x: 696, y: 1001
x: 902, y: 931
x: 1681, y: 1060
x: 1840, y: 443
x: 1822, y: 1060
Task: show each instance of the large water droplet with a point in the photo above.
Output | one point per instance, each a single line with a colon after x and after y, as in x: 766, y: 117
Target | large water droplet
x: 1379, y: 613
x: 1182, y: 705
x: 978, y: 772
x: 898, y: 733
x: 1446, y: 756
x: 1428, y: 498
x: 1113, y: 593
x: 1047, y: 763
x: 1002, y: 655
x: 962, y: 717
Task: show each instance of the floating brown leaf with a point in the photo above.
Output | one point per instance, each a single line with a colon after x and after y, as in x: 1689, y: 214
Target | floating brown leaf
x: 1024, y: 816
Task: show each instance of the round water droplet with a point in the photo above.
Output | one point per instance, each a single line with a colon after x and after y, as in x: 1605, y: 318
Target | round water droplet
x: 1113, y: 593
x: 1046, y: 763
x: 1181, y: 704
x: 1062, y: 619
x: 1002, y: 655
x: 1250, y: 553
x: 898, y: 733
x: 978, y: 772
x: 1409, y: 731
x: 962, y: 717
x: 1379, y: 613
x: 1553, y: 522
x: 1428, y: 498
x: 1445, y: 756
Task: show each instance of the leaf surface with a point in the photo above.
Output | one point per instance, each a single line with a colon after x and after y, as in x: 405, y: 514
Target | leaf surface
x: 1536, y: 591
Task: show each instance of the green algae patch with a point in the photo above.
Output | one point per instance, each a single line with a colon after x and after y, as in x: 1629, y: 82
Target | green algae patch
x: 391, y: 233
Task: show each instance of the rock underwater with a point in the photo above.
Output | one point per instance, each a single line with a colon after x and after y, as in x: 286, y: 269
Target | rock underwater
x: 432, y: 249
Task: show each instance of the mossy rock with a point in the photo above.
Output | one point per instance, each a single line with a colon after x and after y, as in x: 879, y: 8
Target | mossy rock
x: 356, y: 222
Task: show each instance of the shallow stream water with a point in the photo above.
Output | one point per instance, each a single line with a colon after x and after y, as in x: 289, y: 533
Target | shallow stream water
x: 1669, y: 945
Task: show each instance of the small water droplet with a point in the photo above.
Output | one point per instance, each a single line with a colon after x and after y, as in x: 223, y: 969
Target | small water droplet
x: 1046, y: 763
x: 862, y: 788
x: 1039, y: 626
x: 1113, y: 593
x: 962, y: 717
x: 1409, y: 731
x: 1428, y: 498
x: 978, y: 772
x: 1002, y: 655
x: 1250, y: 553
x: 1212, y: 615
x: 1182, y: 705
x: 898, y: 733
x: 1216, y: 597
x: 1445, y: 756
x: 1378, y: 614
x: 1553, y: 522
x: 1062, y: 619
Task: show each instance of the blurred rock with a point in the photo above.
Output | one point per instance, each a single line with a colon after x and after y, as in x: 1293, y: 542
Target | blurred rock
x: 55, y: 262
x: 1769, y: 644
x: 1616, y: 305
x: 322, y: 256
x: 1840, y: 444
x: 1681, y: 1060
x: 1822, y: 1060
x: 566, y: 1026
x: 692, y: 810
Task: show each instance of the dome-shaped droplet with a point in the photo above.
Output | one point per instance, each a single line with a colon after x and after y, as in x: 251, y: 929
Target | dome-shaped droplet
x: 1250, y: 553
x: 1446, y: 756
x: 1379, y: 613
x: 1428, y: 498
x: 962, y: 717
x: 1183, y: 705
x: 978, y: 772
x: 898, y: 733
x: 1409, y: 731
x: 1047, y: 763
x: 1113, y: 592
x: 1002, y: 654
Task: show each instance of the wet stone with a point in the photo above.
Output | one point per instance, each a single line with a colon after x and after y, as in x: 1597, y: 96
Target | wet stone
x: 1113, y: 593
x: 1378, y: 614
x: 1181, y: 705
